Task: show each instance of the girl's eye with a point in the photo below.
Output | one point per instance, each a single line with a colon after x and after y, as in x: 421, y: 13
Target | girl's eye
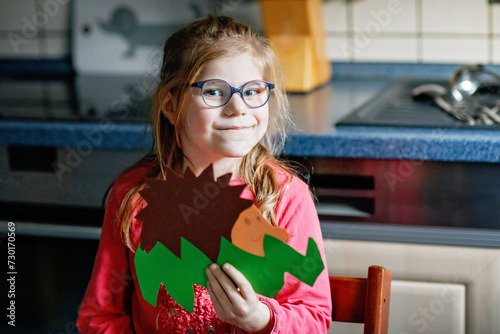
x: 213, y: 92
x: 251, y: 92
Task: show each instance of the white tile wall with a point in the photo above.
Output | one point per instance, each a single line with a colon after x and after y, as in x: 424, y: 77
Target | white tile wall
x: 15, y: 46
x: 455, y: 16
x: 388, y: 15
x: 34, y: 29
x: 496, y: 18
x: 386, y: 49
x: 19, y: 90
x: 13, y: 12
x: 339, y: 47
x: 335, y: 16
x: 435, y: 31
x: 496, y: 50
x: 59, y: 14
x: 455, y: 50
x: 55, y: 46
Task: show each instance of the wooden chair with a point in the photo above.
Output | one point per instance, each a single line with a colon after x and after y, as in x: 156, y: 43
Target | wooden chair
x: 363, y: 300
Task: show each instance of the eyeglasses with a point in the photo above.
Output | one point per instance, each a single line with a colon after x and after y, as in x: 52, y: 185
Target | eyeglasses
x: 217, y: 93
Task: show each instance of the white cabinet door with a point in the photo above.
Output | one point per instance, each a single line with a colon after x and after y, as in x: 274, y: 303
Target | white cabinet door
x: 421, y: 307
x: 436, y: 289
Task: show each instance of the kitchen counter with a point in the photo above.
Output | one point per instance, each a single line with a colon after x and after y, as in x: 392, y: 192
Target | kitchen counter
x: 315, y: 133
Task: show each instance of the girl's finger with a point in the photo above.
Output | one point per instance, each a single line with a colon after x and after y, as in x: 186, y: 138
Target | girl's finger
x: 244, y: 286
x: 217, y: 290
x: 218, y: 308
x: 228, y: 287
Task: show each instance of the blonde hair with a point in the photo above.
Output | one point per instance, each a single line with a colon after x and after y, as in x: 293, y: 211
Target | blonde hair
x: 186, y: 53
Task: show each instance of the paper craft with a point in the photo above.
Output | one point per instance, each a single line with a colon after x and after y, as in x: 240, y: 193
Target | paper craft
x: 249, y: 230
x: 190, y: 222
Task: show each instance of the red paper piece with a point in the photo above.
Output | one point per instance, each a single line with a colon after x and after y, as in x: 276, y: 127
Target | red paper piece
x: 199, y: 209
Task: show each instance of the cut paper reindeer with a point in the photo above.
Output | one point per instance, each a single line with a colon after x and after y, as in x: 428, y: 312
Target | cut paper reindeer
x: 190, y: 222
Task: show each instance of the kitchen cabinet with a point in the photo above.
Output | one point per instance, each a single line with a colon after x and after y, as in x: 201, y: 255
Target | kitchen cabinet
x: 435, y: 289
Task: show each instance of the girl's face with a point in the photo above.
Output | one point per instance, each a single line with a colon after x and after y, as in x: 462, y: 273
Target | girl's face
x: 208, y: 134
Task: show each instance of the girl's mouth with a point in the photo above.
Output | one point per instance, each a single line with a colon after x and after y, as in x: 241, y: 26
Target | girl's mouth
x: 235, y: 128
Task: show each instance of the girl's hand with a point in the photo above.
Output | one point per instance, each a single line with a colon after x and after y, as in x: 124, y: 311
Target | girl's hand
x: 237, y: 305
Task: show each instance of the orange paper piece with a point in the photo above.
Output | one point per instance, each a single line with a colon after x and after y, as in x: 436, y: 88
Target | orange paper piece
x: 249, y: 230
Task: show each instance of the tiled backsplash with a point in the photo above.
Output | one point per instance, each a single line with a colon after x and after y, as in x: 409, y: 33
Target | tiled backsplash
x: 408, y: 31
x: 34, y: 29
x: 423, y: 31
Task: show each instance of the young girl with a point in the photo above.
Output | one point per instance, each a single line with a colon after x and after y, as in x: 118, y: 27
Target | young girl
x: 200, y: 120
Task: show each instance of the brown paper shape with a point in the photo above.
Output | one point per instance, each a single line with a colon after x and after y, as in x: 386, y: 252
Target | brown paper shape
x: 199, y: 209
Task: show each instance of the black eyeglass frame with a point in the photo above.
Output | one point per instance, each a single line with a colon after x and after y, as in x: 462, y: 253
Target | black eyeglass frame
x: 200, y: 85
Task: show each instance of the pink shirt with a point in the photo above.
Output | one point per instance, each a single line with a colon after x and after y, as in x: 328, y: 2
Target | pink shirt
x: 113, y: 302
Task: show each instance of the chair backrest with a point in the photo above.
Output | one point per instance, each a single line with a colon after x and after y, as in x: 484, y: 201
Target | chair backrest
x: 363, y: 300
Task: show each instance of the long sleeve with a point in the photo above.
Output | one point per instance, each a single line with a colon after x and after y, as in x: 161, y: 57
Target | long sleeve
x: 106, y: 305
x: 298, y: 307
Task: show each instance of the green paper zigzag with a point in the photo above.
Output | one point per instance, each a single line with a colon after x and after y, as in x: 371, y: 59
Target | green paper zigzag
x: 265, y: 273
x: 160, y: 265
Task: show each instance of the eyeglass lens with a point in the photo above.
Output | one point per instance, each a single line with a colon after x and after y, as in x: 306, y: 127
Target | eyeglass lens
x: 216, y: 93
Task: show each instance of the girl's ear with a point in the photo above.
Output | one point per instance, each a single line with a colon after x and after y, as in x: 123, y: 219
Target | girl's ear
x: 168, y: 108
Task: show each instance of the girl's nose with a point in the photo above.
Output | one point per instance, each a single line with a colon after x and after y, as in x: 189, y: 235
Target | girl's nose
x: 235, y: 106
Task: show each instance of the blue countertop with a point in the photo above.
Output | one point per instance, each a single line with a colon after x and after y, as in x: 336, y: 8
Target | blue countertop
x: 315, y: 133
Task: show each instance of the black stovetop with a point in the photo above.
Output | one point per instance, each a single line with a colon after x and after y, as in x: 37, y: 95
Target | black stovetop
x: 395, y: 107
x: 88, y: 99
